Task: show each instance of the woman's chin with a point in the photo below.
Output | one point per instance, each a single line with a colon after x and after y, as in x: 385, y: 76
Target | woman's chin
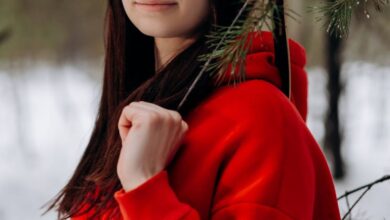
x: 158, y: 33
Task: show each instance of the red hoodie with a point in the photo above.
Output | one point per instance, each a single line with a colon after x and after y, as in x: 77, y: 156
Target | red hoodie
x: 248, y: 154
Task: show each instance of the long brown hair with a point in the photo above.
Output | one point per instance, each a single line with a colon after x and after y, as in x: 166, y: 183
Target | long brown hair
x: 129, y: 75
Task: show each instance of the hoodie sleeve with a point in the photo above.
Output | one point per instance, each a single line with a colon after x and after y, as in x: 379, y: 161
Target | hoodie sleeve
x: 268, y: 173
x: 155, y: 199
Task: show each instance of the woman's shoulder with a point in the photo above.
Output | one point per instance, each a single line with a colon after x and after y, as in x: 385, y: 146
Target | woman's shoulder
x: 270, y: 147
x: 252, y: 100
x: 253, y: 110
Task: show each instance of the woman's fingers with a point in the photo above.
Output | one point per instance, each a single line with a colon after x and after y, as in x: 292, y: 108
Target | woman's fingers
x: 184, y: 125
x: 174, y: 115
x: 127, y: 117
x: 156, y: 133
x: 152, y: 114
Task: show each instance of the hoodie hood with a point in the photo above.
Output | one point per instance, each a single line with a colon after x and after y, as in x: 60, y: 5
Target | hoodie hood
x: 260, y: 64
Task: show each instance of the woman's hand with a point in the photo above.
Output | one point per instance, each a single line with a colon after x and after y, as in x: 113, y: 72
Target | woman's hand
x: 150, y: 138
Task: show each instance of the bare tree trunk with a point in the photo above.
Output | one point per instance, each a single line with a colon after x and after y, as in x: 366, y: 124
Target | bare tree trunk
x: 4, y: 35
x: 333, y: 137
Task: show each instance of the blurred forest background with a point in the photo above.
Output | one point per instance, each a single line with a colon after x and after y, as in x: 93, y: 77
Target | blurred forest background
x: 51, y: 63
x: 60, y: 31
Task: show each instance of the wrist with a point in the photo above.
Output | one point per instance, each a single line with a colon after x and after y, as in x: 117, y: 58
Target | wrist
x: 135, y: 182
x: 137, y: 178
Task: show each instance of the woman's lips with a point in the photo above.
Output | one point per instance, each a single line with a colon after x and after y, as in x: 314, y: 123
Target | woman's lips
x: 154, y: 5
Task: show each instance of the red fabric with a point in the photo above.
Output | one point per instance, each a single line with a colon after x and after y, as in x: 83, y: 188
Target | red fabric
x: 248, y: 154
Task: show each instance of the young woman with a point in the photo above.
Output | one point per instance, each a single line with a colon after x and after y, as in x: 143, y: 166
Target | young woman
x: 232, y: 152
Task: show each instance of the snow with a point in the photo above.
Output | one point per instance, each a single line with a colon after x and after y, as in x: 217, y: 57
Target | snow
x: 47, y: 113
x: 365, y: 118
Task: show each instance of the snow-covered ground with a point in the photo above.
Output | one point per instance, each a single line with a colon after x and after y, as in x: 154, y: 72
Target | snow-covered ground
x: 47, y: 113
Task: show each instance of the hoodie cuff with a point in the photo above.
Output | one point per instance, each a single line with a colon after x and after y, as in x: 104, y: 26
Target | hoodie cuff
x: 154, y: 199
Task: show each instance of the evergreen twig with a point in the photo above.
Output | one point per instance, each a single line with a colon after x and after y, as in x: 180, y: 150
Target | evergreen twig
x: 237, y: 41
x: 229, y: 45
x: 338, y: 13
x: 222, y: 40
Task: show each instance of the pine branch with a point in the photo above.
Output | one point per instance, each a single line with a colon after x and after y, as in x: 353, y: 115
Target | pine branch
x: 237, y: 41
x: 217, y: 47
x: 338, y: 13
x: 230, y: 45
